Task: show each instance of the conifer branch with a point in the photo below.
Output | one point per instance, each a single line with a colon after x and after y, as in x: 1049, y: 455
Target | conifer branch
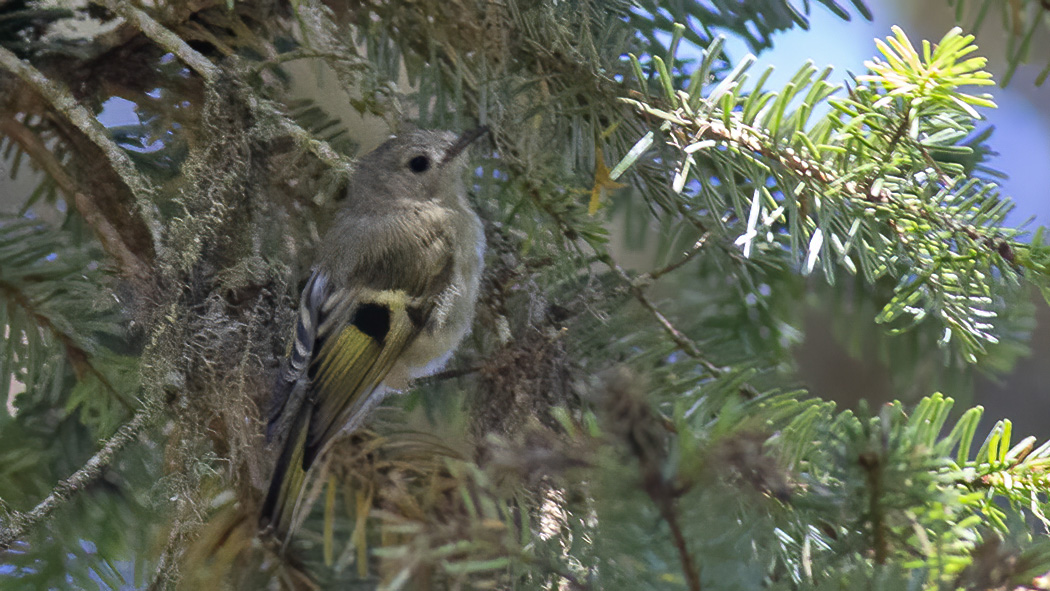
x: 64, y: 103
x: 713, y: 127
x: 78, y: 357
x: 688, y: 130
x: 19, y: 524
x: 109, y: 236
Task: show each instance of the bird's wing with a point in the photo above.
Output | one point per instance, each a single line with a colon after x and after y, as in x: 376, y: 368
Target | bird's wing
x: 363, y: 334
x: 290, y: 391
x: 346, y: 342
x: 362, y: 331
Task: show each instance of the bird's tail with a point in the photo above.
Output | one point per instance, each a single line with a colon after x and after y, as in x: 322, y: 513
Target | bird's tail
x: 288, y: 479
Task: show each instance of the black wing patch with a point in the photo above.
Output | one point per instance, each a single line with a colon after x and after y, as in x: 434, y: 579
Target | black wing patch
x: 373, y: 320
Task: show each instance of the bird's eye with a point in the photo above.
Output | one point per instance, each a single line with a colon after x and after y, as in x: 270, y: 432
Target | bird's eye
x: 419, y: 164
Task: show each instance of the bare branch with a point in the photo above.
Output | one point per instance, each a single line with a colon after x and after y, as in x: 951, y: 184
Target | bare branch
x: 318, y: 147
x: 108, y: 235
x: 32, y: 145
x: 164, y: 37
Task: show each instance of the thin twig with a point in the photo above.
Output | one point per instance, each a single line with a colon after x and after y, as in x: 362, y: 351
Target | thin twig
x: 695, y: 250
x: 871, y: 462
x: 663, y: 492
x: 289, y: 56
x: 636, y: 287
x: 163, y: 572
x: 19, y: 524
x: 167, y: 569
x: 684, y: 342
x: 450, y: 374
x: 318, y: 147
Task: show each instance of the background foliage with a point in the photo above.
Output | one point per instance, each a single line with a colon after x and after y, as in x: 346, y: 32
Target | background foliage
x: 607, y: 425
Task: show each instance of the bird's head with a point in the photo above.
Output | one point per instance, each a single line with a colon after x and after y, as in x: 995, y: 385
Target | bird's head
x: 419, y: 165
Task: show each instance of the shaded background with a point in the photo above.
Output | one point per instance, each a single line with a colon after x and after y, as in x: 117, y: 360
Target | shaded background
x: 1022, y: 140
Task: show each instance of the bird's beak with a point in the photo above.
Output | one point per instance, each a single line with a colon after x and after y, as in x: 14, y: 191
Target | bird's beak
x: 462, y: 142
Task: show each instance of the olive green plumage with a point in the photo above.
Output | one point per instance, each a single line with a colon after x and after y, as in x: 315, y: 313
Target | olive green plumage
x: 391, y: 296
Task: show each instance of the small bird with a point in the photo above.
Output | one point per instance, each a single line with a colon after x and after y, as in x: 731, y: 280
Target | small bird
x: 390, y: 298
